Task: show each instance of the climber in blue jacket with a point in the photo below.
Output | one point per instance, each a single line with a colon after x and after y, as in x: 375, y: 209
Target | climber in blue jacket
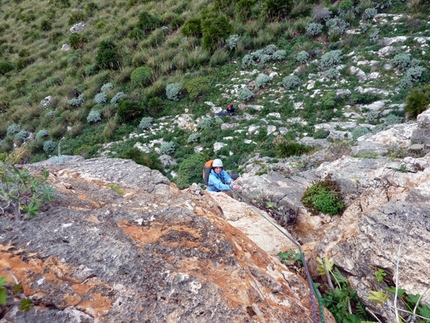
x: 219, y: 180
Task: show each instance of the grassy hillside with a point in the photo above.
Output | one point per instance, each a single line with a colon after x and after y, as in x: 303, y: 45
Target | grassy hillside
x: 137, y: 64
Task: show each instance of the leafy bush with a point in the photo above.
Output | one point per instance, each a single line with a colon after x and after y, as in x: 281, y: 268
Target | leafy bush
x: 77, y: 102
x: 392, y: 119
x: 42, y: 134
x: 198, y: 86
x: 90, y: 70
x: 417, y: 102
x: 321, y: 134
x: 412, y: 75
x: 205, y: 123
x: 118, y: 97
x: 6, y: 67
x: 262, y: 81
x: 173, y: 91
x: 49, y: 146
x: 332, y: 73
x: 402, y: 61
x: 359, y: 131
x: 279, y: 55
x: 129, y: 110
x: 215, y: 29
x: 286, y: 149
x: 291, y: 82
x: 13, y: 129
x: 372, y: 117
x: 190, y: 171
x: 145, y: 25
x: 336, y: 26
x: 374, y: 34
x: 277, y: 9
x: 303, y: 57
x: 194, y: 137
x: 106, y: 87
x: 245, y: 94
x: 324, y: 197
x: 168, y: 148
x: 232, y: 41
x: 330, y: 59
x: 107, y: 56
x: 94, y: 116
x: 369, y: 13
x: 22, y: 192
x: 142, y: 76
x: 22, y: 135
x: 100, y: 98
x: 142, y: 158
x: 313, y: 29
x: 145, y: 123
x: 192, y: 28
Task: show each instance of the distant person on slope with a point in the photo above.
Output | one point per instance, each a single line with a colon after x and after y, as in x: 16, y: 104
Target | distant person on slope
x: 230, y: 109
x: 219, y: 180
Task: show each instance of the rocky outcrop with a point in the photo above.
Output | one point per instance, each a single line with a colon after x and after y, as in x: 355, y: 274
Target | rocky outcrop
x: 122, y: 244
x: 388, y: 208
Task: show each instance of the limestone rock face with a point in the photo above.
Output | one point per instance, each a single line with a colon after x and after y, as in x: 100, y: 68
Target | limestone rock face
x: 387, y: 208
x: 122, y: 244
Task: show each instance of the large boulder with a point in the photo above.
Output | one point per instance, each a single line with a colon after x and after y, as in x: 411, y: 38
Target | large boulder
x: 120, y: 243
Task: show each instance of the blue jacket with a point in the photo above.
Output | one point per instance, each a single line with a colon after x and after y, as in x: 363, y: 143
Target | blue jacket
x: 219, y: 182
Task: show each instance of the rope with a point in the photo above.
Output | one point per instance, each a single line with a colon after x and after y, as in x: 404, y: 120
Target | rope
x: 312, y: 288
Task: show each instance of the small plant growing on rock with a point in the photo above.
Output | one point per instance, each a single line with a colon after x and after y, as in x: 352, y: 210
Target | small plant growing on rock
x: 324, y: 196
x: 205, y: 123
x: 23, y: 193
x: 330, y: 59
x: 194, y: 137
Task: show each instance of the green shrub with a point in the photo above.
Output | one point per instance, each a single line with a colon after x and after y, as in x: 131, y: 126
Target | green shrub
x: 94, y: 116
x: 190, y: 171
x: 77, y: 40
x: 369, y: 13
x: 173, y: 91
x: 324, y: 197
x: 303, y: 57
x: 118, y: 97
x: 372, y: 117
x: 291, y: 82
x: 245, y: 94
x: 146, y: 123
x: 23, y: 193
x: 314, y: 29
x: 261, y: 81
x: 417, y: 102
x: 168, y: 148
x: 194, y: 137
x: 142, y: 158
x: 331, y: 73
x: 129, y: 110
x: 107, y: 56
x: 42, y: 134
x: 77, y: 102
x: 22, y: 135
x: 215, y: 29
x: 192, y: 28
x: 330, y: 59
x: 100, y: 98
x: 142, y: 76
x: 402, y: 61
x: 279, y: 55
x: 198, y: 86
x: 321, y: 134
x: 205, y: 123
x: 49, y: 146
x: 277, y: 9
x: 286, y: 149
x: 13, y: 129
x: 232, y: 41
x: 6, y: 67
x: 359, y: 131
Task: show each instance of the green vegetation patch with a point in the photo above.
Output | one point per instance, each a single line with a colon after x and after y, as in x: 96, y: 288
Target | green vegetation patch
x: 324, y: 197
